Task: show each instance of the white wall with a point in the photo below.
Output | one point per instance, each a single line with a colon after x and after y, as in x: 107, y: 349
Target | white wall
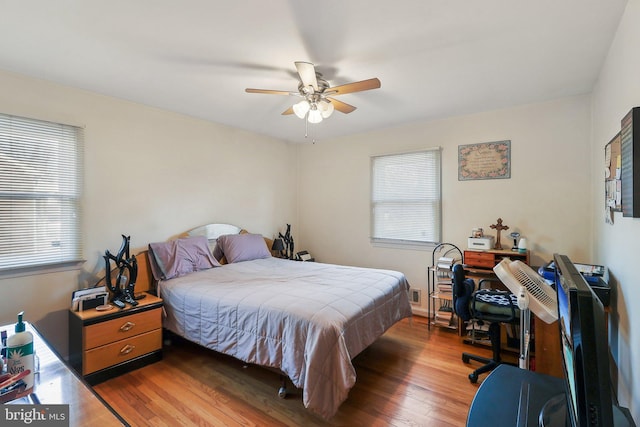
x: 154, y: 174
x: 618, y: 245
x: 150, y: 174
x: 547, y: 198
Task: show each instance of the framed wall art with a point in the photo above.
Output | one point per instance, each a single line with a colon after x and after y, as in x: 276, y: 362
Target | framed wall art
x: 612, y: 174
x: 487, y: 160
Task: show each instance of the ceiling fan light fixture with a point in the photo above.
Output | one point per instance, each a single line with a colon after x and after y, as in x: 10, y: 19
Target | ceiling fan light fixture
x: 318, y: 97
x: 301, y: 108
x: 315, y: 116
x: 326, y: 108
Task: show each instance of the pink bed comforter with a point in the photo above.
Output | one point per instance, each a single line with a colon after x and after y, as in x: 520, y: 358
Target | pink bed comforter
x: 306, y: 319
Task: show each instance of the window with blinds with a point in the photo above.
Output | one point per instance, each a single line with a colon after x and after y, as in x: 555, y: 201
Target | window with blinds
x: 40, y: 188
x: 406, y: 204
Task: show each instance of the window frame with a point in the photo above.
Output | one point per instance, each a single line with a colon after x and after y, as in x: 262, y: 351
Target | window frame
x: 33, y: 149
x: 437, y: 188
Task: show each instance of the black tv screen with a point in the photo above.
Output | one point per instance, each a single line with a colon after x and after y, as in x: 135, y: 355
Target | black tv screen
x: 585, y: 348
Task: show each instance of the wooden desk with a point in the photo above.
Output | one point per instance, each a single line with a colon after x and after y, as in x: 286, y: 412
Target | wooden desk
x: 489, y: 258
x: 547, y: 357
x: 548, y: 354
x: 55, y: 383
x: 478, y: 264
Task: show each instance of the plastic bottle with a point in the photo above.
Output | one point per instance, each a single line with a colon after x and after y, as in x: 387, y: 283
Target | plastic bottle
x: 20, y: 352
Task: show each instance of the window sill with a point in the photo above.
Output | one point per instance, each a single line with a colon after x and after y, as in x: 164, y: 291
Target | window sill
x: 399, y: 244
x: 41, y: 269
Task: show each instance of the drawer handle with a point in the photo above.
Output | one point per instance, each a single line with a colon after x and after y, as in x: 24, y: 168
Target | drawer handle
x: 127, y: 349
x: 127, y: 326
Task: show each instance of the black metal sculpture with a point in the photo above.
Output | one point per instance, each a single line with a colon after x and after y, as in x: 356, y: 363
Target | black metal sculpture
x: 288, y: 242
x: 123, y: 290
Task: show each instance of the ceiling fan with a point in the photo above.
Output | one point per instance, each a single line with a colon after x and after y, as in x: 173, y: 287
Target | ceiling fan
x: 318, y: 102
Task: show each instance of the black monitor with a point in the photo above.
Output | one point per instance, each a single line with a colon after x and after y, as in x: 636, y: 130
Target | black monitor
x: 585, y: 348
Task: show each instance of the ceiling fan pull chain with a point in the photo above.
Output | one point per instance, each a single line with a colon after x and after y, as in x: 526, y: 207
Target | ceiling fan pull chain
x: 306, y: 131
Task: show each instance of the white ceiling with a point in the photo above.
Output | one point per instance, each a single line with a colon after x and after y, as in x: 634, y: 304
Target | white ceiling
x: 434, y: 58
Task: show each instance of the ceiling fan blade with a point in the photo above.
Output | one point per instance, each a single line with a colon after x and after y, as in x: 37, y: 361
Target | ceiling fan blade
x: 343, y: 107
x: 354, y: 87
x: 287, y: 111
x: 269, y: 91
x: 307, y: 73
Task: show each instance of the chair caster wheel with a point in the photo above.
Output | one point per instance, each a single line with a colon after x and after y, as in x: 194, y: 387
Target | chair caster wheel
x: 282, y: 392
x: 465, y: 359
x: 473, y: 378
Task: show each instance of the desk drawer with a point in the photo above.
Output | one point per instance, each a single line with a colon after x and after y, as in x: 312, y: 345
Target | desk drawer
x: 121, y: 328
x: 479, y: 259
x: 121, y: 351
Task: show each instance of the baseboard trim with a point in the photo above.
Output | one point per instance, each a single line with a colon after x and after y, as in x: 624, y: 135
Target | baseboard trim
x: 417, y: 311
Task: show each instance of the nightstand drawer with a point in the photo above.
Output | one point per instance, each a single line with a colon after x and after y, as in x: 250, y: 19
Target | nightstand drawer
x: 121, y: 328
x: 121, y: 351
x: 479, y: 259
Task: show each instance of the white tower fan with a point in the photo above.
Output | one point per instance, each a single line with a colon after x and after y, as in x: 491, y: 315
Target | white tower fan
x: 534, y: 294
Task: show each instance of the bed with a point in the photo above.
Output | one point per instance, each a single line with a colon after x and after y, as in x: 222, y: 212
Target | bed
x: 305, y: 319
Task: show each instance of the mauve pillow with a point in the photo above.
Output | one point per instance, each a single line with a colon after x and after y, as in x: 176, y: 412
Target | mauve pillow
x: 217, y: 250
x: 243, y: 247
x: 181, y: 256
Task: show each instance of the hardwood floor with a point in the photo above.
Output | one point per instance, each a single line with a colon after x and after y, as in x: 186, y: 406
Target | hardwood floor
x: 408, y: 377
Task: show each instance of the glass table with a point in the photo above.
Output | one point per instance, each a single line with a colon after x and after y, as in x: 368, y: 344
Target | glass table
x: 55, y: 383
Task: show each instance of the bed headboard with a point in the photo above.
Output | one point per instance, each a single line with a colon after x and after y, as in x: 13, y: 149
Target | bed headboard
x: 213, y: 231
x: 144, y: 281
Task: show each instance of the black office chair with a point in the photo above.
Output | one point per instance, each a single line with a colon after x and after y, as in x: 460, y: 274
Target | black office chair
x: 490, y: 306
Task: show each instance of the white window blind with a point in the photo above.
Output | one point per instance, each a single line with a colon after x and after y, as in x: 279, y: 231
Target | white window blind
x: 40, y: 188
x: 405, y: 197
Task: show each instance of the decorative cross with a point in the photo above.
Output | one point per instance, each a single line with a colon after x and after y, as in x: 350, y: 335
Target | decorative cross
x: 498, y: 227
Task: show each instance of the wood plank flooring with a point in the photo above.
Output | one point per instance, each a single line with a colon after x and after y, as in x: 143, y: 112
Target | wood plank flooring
x: 408, y: 377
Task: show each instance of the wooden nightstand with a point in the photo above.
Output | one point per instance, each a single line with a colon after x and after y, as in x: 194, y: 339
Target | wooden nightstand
x: 104, y: 344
